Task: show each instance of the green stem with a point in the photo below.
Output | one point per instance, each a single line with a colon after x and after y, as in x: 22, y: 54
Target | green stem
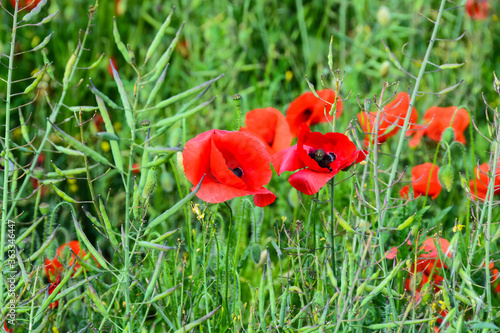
x: 332, y: 224
x: 5, y: 198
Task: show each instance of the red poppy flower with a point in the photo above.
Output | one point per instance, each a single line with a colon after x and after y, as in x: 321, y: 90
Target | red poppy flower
x: 235, y: 164
x: 405, y: 192
x: 321, y: 156
x: 392, y: 117
x: 438, y: 119
x: 54, y: 268
x: 270, y: 126
x: 136, y: 168
x: 482, y: 180
x: 112, y: 60
x: 477, y: 9
x: 420, y: 180
x: 10, y: 330
x: 430, y: 256
x: 307, y: 109
x: 25, y: 4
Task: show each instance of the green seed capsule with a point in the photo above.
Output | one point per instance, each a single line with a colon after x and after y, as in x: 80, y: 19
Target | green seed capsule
x: 150, y: 183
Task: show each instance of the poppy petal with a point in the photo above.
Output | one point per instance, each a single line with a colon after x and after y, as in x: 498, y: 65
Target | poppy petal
x: 270, y: 126
x: 264, y: 197
x: 310, y: 110
x: 287, y: 160
x: 308, y: 181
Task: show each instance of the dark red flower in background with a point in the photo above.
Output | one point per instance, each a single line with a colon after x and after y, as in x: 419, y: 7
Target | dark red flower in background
x: 54, y: 268
x: 307, y: 109
x: 321, y: 156
x: 405, y: 192
x: 25, y: 4
x: 270, y: 126
x: 477, y: 9
x: 421, y: 183
x: 391, y: 119
x: 481, y: 181
x: 428, y: 264
x: 112, y: 60
x: 437, y: 120
x: 235, y: 164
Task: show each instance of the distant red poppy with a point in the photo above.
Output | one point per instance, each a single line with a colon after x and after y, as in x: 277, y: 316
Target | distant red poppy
x: 430, y: 256
x: 25, y: 4
x: 119, y: 8
x: 482, y: 180
x: 308, y: 109
x: 99, y: 123
x: 183, y: 48
x: 321, y: 156
x: 420, y: 180
x: 477, y: 9
x: 235, y: 164
x: 494, y: 274
x: 392, y: 117
x: 53, y: 268
x: 270, y: 126
x: 438, y: 119
x: 405, y: 192
x: 10, y: 330
x: 112, y: 60
x: 136, y: 168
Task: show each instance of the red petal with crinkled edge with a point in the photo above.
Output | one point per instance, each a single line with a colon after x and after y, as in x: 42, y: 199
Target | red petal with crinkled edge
x: 270, y: 126
x: 217, y: 193
x: 287, y: 160
x: 264, y: 197
x: 337, y: 143
x: 308, y: 181
x: 309, y: 109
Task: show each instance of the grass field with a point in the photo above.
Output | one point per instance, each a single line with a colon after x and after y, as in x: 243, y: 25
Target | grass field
x: 148, y: 186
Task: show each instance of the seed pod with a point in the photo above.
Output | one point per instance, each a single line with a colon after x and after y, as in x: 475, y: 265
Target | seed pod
x: 67, y: 71
x: 44, y: 208
x: 150, y: 185
x: 384, y: 68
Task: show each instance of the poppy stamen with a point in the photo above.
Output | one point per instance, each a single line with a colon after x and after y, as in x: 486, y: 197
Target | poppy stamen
x: 238, y: 172
x: 323, y: 159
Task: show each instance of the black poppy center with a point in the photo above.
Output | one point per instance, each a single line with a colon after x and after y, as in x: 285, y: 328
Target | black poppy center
x: 238, y: 172
x: 307, y: 113
x: 323, y: 159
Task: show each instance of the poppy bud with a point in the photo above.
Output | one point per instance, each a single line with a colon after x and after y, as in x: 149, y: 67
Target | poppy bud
x: 448, y: 135
x: 384, y: 68
x: 383, y: 16
x: 255, y: 252
x: 446, y: 177
x: 44, y: 208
